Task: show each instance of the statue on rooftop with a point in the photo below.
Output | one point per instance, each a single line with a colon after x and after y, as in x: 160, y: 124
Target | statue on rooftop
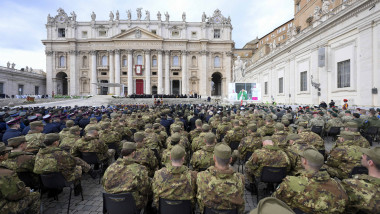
x: 129, y: 15
x: 159, y: 16
x: 139, y: 13
x: 184, y: 16
x: 117, y: 15
x: 147, y: 15
x: 74, y: 16
x: 203, y: 17
x: 8, y: 64
x: 13, y: 65
x: 93, y: 16
x: 167, y: 16
x: 111, y: 16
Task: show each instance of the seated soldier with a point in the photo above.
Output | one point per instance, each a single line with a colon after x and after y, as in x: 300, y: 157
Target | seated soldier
x: 250, y: 143
x: 69, y: 140
x: 144, y: 155
x: 199, y: 141
x: 313, y: 191
x: 14, y: 196
x: 271, y: 205
x: 220, y: 187
x: 174, y: 140
x: 35, y: 137
x: 202, y: 159
x: 363, y: 190
x: 66, y: 131
x: 279, y: 136
x: 174, y: 174
x: 127, y: 176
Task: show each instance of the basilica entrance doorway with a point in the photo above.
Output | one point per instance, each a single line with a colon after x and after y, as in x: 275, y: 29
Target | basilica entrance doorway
x: 61, y: 83
x: 216, y: 84
x: 139, y: 86
x: 175, y: 87
x: 103, y: 89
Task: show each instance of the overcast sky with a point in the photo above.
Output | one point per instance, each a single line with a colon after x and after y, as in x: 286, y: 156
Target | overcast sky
x: 22, y: 22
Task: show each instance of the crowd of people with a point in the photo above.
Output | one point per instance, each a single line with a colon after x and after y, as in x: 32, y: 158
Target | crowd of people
x: 187, y: 152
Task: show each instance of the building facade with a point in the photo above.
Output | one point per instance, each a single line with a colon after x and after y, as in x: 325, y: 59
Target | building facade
x: 336, y: 57
x: 25, y: 81
x: 140, y: 56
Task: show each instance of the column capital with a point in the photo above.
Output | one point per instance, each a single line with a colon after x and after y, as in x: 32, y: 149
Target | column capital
x: 204, y: 52
x: 129, y: 51
x: 147, y: 51
x: 49, y: 53
x: 167, y: 52
x: 93, y: 52
x: 111, y: 52
x: 74, y: 52
x: 117, y: 51
x: 184, y: 52
x: 229, y: 53
x: 159, y: 51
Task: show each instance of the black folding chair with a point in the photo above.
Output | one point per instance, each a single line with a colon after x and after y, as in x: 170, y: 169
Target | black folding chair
x: 92, y: 159
x: 298, y: 211
x: 246, y: 158
x: 234, y: 145
x: 56, y: 180
x: 371, y: 134
x: 358, y: 170
x: 271, y: 176
x: 215, y: 211
x: 155, y: 151
x: 333, y: 132
x: 30, y: 179
x: 119, y: 204
x: 116, y: 148
x: 214, y: 130
x: 318, y: 130
x: 174, y: 206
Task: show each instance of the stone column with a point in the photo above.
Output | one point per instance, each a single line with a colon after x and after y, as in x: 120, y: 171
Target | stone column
x: 74, y: 74
x: 184, y: 72
x: 94, y: 75
x: 159, y: 62
x: 49, y: 73
x: 228, y: 72
x: 147, y: 72
x: 130, y: 72
x: 117, y: 71
x: 111, y: 72
x: 167, y: 73
x: 203, y: 76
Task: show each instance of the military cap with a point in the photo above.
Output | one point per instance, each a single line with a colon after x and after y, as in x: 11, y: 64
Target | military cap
x: 32, y: 118
x: 198, y: 122
x: 351, y: 125
x: 106, y: 125
x: 205, y: 128
x: 177, y: 152
x: 74, y: 129
x: 70, y: 123
x: 158, y: 120
x: 321, y: 113
x: 129, y: 145
x: 266, y: 138
x: 335, y: 110
x: 148, y: 126
x: 224, y: 119
x: 4, y: 148
x: 91, y: 128
x: 373, y: 153
x: 13, y: 121
x: 285, y: 122
x: 139, y: 136
x: 16, y: 141
x: 36, y: 124
x: 156, y: 125
x: 252, y: 127
x: 23, y: 113
x: 93, y: 119
x: 104, y: 116
x: 268, y: 118
x: 293, y: 137
x: 222, y: 151
x: 52, y: 137
x: 272, y: 205
x: 303, y: 124
x: 348, y: 112
x: 210, y: 138
x: 176, y: 137
x: 279, y: 126
x: 312, y: 155
x: 334, y: 114
x: 176, y: 128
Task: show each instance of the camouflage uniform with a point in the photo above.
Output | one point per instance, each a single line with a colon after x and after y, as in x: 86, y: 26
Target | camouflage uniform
x: 35, y: 141
x: 234, y: 135
x: 269, y: 155
x: 312, y: 192
x: 198, y: 142
x: 194, y: 133
x: 174, y: 183
x: 125, y: 175
x: 64, y: 133
x: 152, y: 140
x: 363, y: 194
x: 91, y: 144
x: 249, y: 144
x: 312, y: 139
x: 343, y: 159
x: 346, y: 118
x: 68, y: 142
x: 220, y: 189
x: 109, y: 137
x: 203, y: 158
x: 317, y: 121
x: 20, y: 162
x: 222, y: 129
x: 334, y: 122
x: 293, y: 152
x: 266, y: 130
x: 279, y: 139
x: 14, y: 196
x: 360, y: 140
x: 146, y: 157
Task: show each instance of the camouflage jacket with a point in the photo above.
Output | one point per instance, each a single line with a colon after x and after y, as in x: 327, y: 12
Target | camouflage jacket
x: 183, y: 142
x: 162, y: 135
x: 64, y: 133
x: 249, y: 144
x: 125, y: 175
x: 312, y: 139
x: 69, y: 141
x: 342, y: 160
x: 222, y: 129
x: 267, y: 130
x: 363, y: 194
x: 271, y: 156
x: 90, y: 144
x: 220, y: 189
x: 174, y: 183
x: 11, y: 187
x: 198, y: 142
x: 316, y: 122
x: 54, y: 159
x: 20, y: 162
x: 35, y: 141
x: 293, y: 154
x: 334, y: 122
x: 312, y: 192
x: 109, y: 136
x: 152, y: 140
x: 214, y: 123
x: 165, y: 159
x: 234, y: 135
x: 146, y: 157
x: 91, y: 125
x: 194, y: 133
x: 203, y: 158
x: 279, y: 139
x: 346, y: 119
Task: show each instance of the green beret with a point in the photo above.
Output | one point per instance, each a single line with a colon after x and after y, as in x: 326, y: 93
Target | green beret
x: 139, y: 136
x: 321, y: 113
x: 335, y: 110
x: 205, y: 128
x: 106, y: 125
x: 4, y: 148
x: 252, y: 127
x: 293, y: 137
x: 373, y: 153
x: 177, y: 152
x: 351, y: 125
x: 348, y: 112
x: 279, y: 126
x: 334, y: 114
x: 210, y: 138
x: 129, y: 145
x: 198, y: 122
x: 347, y: 135
x: 36, y: 124
x: 222, y: 151
x: 16, y: 141
x: 74, y: 129
x: 176, y: 137
x: 176, y: 128
x: 70, y: 123
x: 313, y: 156
x: 52, y: 137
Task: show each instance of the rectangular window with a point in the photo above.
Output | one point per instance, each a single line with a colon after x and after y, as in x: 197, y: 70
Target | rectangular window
x: 122, y: 31
x: 290, y: 25
x: 303, y: 80
x: 125, y: 73
x: 1, y: 88
x: 281, y: 85
x: 283, y: 36
x: 84, y: 34
x: 298, y: 8
x: 284, y: 28
x: 344, y: 74
x: 194, y: 34
x: 154, y: 73
x: 36, y: 90
x: 216, y: 33
x: 175, y: 61
x: 103, y: 73
x: 61, y: 32
x: 102, y: 33
x: 265, y: 87
x: 154, y: 31
x: 279, y: 38
x: 175, y: 73
x: 175, y: 33
x: 20, y: 89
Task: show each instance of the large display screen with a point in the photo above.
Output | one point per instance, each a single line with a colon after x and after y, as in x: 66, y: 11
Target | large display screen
x: 244, y: 91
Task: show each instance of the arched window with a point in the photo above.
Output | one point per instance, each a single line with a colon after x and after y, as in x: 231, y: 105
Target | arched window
x: 124, y: 61
x: 175, y: 61
x: 84, y: 62
x: 104, y: 61
x: 62, y: 62
x: 217, y: 62
x: 139, y: 60
x: 194, y: 61
x: 154, y: 61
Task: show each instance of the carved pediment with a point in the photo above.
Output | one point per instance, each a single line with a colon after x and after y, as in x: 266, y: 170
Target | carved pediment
x: 137, y: 33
